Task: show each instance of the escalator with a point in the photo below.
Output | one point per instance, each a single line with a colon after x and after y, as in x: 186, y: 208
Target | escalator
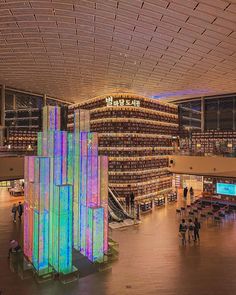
x: 116, y: 210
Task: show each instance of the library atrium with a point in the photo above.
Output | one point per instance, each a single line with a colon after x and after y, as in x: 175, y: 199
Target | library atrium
x: 117, y: 147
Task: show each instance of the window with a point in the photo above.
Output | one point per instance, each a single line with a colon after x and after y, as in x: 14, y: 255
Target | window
x: 211, y: 114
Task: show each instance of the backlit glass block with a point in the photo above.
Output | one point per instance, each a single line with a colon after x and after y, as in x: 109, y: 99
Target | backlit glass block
x: 70, y: 160
x: 83, y: 228
x: 95, y: 234
x: 65, y: 196
x: 93, y: 194
x: 40, y: 241
x: 83, y: 167
x: 51, y: 118
x: 62, y: 234
x: 103, y: 185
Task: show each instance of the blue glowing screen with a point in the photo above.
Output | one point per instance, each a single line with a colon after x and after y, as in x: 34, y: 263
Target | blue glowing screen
x: 226, y: 189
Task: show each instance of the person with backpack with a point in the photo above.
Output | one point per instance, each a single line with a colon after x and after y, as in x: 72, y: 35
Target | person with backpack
x: 14, y: 210
x: 182, y: 231
x: 197, y: 227
x: 191, y: 227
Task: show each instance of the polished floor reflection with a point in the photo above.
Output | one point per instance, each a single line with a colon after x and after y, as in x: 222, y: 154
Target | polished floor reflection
x: 151, y: 260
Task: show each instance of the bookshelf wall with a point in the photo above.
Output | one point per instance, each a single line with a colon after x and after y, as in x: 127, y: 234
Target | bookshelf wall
x: 210, y: 142
x: 136, y: 133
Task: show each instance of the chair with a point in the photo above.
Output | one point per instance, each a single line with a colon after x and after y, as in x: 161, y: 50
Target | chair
x: 178, y: 211
x: 221, y: 215
x: 217, y: 219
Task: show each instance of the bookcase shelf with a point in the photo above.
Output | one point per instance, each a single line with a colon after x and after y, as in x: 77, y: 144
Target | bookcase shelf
x: 136, y: 133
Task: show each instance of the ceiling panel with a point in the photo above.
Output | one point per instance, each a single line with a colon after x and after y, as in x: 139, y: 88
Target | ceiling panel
x: 76, y: 49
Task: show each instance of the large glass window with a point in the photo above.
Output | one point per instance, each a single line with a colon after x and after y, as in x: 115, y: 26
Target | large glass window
x: 211, y: 114
x: 9, y: 100
x: 190, y: 114
x: 226, y: 112
x: 27, y: 101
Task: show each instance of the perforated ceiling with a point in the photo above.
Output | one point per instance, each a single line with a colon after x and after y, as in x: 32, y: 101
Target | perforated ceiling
x: 80, y: 49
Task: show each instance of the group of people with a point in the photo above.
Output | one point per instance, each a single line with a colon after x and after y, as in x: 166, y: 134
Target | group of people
x: 192, y: 228
x: 191, y: 192
x: 19, y: 209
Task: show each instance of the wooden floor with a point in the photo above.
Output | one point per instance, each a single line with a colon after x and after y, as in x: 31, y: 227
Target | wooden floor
x: 151, y: 261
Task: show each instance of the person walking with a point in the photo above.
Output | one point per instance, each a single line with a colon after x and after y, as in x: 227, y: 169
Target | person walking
x: 182, y: 231
x: 132, y: 197
x: 20, y: 210
x: 185, y: 192
x: 127, y: 203
x: 191, y: 192
x: 14, y: 210
x: 197, y: 227
x: 190, y: 230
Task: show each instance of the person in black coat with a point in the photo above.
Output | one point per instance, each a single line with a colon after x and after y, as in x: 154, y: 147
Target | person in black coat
x: 197, y: 227
x: 185, y: 192
x: 20, y: 210
x: 132, y: 197
x: 127, y: 203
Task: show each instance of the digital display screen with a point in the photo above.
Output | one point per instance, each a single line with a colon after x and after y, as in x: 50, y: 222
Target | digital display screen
x: 226, y: 189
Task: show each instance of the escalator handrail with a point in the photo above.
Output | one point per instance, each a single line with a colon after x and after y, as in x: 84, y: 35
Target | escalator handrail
x: 119, y: 204
x: 113, y: 215
x: 116, y: 209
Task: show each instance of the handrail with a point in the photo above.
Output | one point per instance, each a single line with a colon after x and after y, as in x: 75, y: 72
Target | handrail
x: 203, y: 154
x: 119, y: 204
x: 113, y: 215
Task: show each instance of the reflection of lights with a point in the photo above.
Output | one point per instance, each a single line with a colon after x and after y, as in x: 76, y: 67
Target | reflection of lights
x: 9, y: 146
x: 181, y: 92
x: 198, y: 145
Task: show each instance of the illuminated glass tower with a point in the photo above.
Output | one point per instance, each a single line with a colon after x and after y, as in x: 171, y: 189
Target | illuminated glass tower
x: 65, y: 196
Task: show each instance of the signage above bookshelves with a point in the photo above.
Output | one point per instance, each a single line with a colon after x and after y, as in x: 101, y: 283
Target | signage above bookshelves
x: 111, y: 102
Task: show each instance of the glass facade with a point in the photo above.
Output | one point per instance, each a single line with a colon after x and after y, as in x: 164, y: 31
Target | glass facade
x: 190, y: 114
x: 23, y: 117
x: 219, y: 113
